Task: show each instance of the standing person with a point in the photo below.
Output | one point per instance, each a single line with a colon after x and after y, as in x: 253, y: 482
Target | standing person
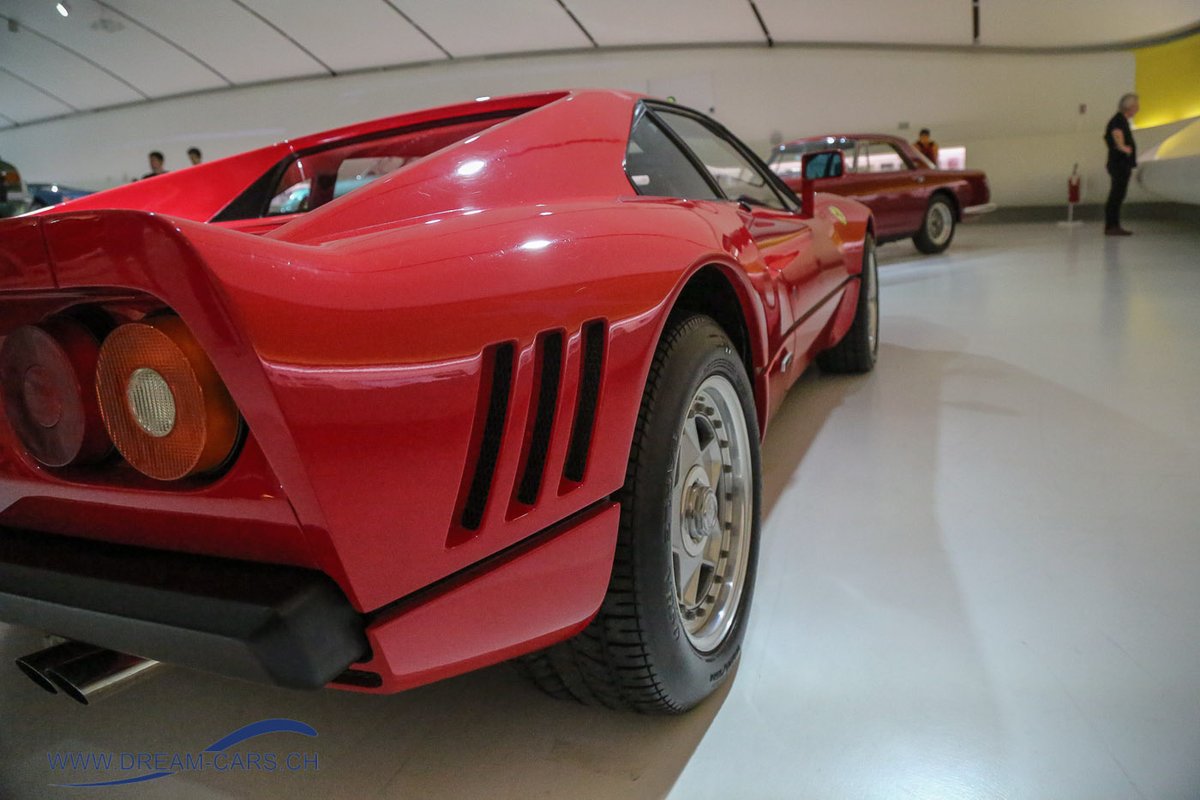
x: 927, y: 146
x: 194, y: 156
x: 1122, y: 159
x: 156, y: 164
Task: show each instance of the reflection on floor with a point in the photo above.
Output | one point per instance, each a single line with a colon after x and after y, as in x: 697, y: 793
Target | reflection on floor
x: 980, y: 578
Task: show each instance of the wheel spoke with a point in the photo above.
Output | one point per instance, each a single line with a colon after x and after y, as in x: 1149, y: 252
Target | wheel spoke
x: 687, y: 577
x: 708, y: 556
x: 713, y: 463
x: 706, y: 572
x: 690, y: 451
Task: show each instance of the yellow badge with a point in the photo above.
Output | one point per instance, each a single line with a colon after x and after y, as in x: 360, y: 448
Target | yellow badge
x: 837, y: 212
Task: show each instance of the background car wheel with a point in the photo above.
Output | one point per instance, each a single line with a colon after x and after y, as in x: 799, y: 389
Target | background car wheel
x: 671, y: 626
x: 937, y: 229
x: 857, y: 350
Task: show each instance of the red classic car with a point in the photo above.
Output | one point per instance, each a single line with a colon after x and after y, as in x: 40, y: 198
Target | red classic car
x: 382, y: 405
x: 907, y: 195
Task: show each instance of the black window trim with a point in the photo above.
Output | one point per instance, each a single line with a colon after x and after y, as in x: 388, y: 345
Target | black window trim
x: 644, y: 107
x: 643, y: 110
x: 787, y: 196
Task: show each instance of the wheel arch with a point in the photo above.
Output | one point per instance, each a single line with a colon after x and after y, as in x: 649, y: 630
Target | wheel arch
x: 713, y: 291
x: 951, y: 197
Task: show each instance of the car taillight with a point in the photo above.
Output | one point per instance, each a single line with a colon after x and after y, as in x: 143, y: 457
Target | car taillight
x: 162, y: 401
x: 47, y: 374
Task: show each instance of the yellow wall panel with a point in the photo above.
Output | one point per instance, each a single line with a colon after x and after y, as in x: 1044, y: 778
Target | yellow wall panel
x: 1168, y: 82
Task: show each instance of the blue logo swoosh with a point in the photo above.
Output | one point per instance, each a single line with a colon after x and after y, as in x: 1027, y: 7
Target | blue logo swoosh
x: 260, y: 728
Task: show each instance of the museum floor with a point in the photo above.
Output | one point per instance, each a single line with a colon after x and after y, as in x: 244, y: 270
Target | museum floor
x: 980, y: 578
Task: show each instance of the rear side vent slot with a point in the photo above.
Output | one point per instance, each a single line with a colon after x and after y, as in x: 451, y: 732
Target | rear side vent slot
x: 496, y: 387
x: 547, y: 378
x: 587, y: 403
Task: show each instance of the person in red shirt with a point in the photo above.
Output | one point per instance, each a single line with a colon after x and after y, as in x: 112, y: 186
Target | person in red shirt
x: 927, y: 146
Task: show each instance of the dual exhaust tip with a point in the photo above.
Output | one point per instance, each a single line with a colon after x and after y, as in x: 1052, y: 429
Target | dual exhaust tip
x: 83, y: 672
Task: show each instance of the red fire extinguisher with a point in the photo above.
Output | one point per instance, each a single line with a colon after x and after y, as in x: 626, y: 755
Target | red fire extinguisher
x: 1073, y: 193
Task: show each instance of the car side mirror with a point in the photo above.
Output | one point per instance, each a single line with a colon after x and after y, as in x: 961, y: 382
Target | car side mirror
x: 815, y: 166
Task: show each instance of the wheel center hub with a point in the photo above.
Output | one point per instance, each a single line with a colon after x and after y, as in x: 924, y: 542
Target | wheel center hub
x: 701, y: 513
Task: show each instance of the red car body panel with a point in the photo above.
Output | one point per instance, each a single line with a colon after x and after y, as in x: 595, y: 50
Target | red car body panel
x: 898, y: 199
x: 354, y: 339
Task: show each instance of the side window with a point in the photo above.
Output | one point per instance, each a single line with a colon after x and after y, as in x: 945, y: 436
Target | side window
x: 738, y: 177
x: 850, y: 165
x: 315, y: 177
x: 657, y: 167
x: 880, y: 157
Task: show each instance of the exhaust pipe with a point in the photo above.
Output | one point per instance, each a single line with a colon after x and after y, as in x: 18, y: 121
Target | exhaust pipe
x: 35, y: 665
x: 83, y: 672
x: 94, y: 676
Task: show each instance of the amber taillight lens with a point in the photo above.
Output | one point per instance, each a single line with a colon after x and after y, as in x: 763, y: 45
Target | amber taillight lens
x: 162, y: 401
x: 47, y: 375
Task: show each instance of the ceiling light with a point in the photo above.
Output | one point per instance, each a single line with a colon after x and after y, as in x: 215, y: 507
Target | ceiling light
x: 64, y: 9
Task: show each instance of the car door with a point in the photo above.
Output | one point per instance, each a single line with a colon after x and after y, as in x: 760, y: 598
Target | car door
x: 889, y: 184
x: 799, y: 251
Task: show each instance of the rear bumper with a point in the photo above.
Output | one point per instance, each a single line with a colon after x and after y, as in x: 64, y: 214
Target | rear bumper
x: 293, y: 627
x: 261, y: 622
x: 972, y: 211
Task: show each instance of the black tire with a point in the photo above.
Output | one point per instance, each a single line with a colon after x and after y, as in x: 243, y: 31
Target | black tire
x: 638, y: 653
x: 858, y: 349
x: 937, y: 226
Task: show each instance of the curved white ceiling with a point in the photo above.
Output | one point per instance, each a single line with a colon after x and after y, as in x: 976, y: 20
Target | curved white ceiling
x: 113, y: 52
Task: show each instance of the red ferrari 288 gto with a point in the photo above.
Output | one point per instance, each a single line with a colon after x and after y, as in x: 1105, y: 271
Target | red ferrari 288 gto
x: 381, y: 405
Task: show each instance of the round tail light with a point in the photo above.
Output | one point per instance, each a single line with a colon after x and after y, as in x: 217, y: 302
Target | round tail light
x: 162, y: 401
x: 47, y: 375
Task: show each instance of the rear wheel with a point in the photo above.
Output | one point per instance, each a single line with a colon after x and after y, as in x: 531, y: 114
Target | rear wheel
x: 857, y: 350
x: 937, y: 228
x: 670, y: 628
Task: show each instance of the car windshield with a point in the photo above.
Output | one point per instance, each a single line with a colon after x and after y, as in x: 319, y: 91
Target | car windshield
x: 786, y: 159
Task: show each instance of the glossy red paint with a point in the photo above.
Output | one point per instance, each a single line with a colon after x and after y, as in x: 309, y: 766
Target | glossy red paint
x: 897, y: 198
x: 353, y: 340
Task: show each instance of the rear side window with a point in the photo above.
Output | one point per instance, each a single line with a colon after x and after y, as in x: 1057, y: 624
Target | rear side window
x: 657, y: 167
x: 315, y: 178
x: 738, y: 178
x: 881, y: 157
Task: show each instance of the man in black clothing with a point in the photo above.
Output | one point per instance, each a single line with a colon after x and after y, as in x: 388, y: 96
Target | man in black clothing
x: 156, y: 164
x: 1122, y: 158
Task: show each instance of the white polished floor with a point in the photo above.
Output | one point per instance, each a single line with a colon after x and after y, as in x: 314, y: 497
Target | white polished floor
x: 980, y: 578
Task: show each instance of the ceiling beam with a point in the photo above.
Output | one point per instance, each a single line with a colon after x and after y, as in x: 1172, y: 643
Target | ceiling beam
x: 165, y: 39
x: 285, y: 35
x: 77, y: 54
x: 419, y: 29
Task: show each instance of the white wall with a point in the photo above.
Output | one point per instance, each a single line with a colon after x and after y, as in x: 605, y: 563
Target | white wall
x: 1017, y: 114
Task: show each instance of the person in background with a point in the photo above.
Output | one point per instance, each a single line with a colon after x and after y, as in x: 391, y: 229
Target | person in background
x: 156, y: 164
x: 1122, y: 159
x: 194, y: 156
x: 927, y: 146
